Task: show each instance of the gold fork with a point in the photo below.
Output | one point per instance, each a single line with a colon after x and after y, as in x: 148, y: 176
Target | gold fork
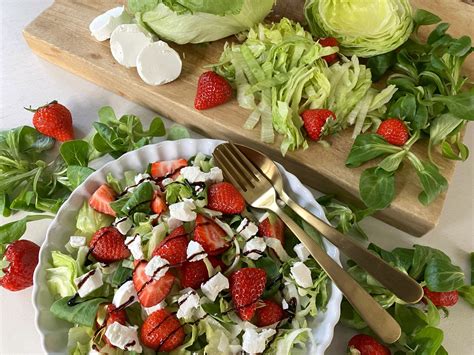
x: 258, y: 192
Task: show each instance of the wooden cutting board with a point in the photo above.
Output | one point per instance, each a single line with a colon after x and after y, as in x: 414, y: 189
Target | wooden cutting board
x: 61, y: 35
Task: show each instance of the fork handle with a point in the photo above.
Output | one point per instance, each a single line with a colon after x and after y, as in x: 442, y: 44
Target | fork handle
x: 377, y: 318
x: 402, y: 285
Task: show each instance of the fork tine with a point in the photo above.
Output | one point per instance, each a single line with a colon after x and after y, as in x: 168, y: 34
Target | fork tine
x: 244, y: 160
x: 229, y: 168
x: 232, y: 157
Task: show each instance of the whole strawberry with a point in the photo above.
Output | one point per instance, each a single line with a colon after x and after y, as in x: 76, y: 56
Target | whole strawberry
x: 107, y: 245
x: 162, y: 331
x: 54, y: 120
x: 394, y: 131
x: 442, y: 299
x: 269, y: 314
x: 246, y: 287
x: 329, y: 42
x: 362, y: 344
x: 212, y: 90
x: 314, y: 121
x: 22, y: 256
x: 225, y: 198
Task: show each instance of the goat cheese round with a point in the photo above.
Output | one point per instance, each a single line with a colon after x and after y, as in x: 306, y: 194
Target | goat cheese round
x: 126, y: 43
x: 158, y: 64
x: 103, y: 25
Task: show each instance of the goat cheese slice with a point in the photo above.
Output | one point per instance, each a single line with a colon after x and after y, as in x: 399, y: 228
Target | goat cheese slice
x: 276, y: 246
x: 157, y: 267
x: 123, y: 224
x: 134, y: 244
x: 89, y: 282
x: 158, y: 64
x: 302, y: 274
x: 126, y: 43
x: 123, y: 337
x: 125, y: 294
x: 301, y: 251
x: 188, y: 302
x: 156, y: 307
x: 214, y: 285
x: 247, y: 229
x: 103, y: 25
x: 254, y: 247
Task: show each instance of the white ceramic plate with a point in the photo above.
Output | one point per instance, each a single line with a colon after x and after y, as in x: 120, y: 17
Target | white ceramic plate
x: 53, y: 331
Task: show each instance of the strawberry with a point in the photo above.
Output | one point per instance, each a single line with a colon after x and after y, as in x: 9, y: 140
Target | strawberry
x: 115, y: 315
x: 193, y: 274
x: 210, y: 236
x: 212, y: 90
x: 158, y: 204
x: 167, y: 168
x: 270, y: 313
x: 442, y: 299
x: 225, y: 198
x: 329, y: 42
x: 162, y: 331
x: 394, y: 131
x: 272, y: 227
x: 246, y: 287
x: 53, y: 120
x: 22, y: 256
x: 173, y: 247
x: 150, y: 291
x: 107, y: 245
x: 362, y: 344
x: 101, y: 199
x: 314, y: 121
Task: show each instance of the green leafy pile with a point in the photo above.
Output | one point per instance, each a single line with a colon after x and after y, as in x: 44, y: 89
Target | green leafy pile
x: 279, y: 72
x: 189, y: 21
x: 431, y: 101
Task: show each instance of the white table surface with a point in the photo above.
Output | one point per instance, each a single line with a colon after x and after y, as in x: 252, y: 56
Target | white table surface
x: 28, y: 80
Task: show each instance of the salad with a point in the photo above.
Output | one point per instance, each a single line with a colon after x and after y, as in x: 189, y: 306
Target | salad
x: 173, y: 260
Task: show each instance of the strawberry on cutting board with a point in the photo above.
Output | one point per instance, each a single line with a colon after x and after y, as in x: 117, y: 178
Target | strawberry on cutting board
x: 101, y: 199
x: 22, y: 256
x: 173, y: 247
x: 53, y: 120
x: 394, y: 131
x: 162, y: 331
x: 272, y: 227
x: 315, y: 120
x: 246, y: 287
x: 107, y: 245
x: 212, y: 90
x: 225, y: 198
x: 150, y: 291
x: 212, y: 237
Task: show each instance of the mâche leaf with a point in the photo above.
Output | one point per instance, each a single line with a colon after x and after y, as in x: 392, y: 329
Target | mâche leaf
x: 377, y: 188
x: 367, y: 147
x: 82, y: 313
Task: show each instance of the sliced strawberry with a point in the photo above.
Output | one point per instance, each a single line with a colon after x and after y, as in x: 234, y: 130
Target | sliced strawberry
x: 210, y: 236
x: 270, y: 313
x: 101, y: 199
x: 173, y: 247
x: 151, y: 292
x: 272, y: 227
x: 167, y: 168
x: 193, y: 274
x: 158, y: 204
x: 115, y: 315
x: 442, y: 299
x: 217, y: 262
x: 225, y: 198
x: 107, y: 245
x: 162, y: 331
x: 246, y: 287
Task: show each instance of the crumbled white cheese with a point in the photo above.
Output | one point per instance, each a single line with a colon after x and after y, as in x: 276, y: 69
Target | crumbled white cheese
x: 140, y: 178
x: 93, y: 282
x: 103, y: 25
x: 195, y: 251
x: 123, y: 225
x: 302, y: 274
x: 167, y: 181
x: 225, y: 227
x: 247, y: 229
x: 157, y: 267
x: 301, y: 251
x: 173, y: 223
x: 126, y: 43
x: 194, y: 174
x: 184, y: 211
x: 124, y: 294
x: 235, y: 349
x: 214, y: 285
x: 284, y: 304
x: 158, y: 64
x: 276, y: 246
x: 134, y: 244
x: 188, y: 302
x: 211, y: 213
x: 253, y: 246
x: 123, y: 337
x: 156, y: 307
x: 77, y: 241
x: 254, y: 342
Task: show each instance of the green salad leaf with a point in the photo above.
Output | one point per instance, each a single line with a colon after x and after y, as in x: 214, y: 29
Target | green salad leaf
x: 89, y: 220
x: 60, y: 278
x: 82, y: 313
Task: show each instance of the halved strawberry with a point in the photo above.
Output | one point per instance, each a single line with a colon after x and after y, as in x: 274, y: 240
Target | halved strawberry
x: 162, y: 331
x: 107, y: 245
x: 193, y: 274
x: 246, y: 287
x: 269, y: 314
x: 167, y: 168
x: 101, y: 199
x: 151, y: 292
x: 225, y: 198
x: 173, y: 247
x: 210, y: 236
x: 272, y: 227
x: 158, y: 204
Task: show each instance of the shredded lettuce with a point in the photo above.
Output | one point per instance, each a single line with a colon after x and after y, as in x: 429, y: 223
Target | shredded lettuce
x: 60, y: 278
x: 79, y: 340
x: 89, y: 220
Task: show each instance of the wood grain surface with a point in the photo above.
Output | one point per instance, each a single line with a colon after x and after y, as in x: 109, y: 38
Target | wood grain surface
x: 60, y: 35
